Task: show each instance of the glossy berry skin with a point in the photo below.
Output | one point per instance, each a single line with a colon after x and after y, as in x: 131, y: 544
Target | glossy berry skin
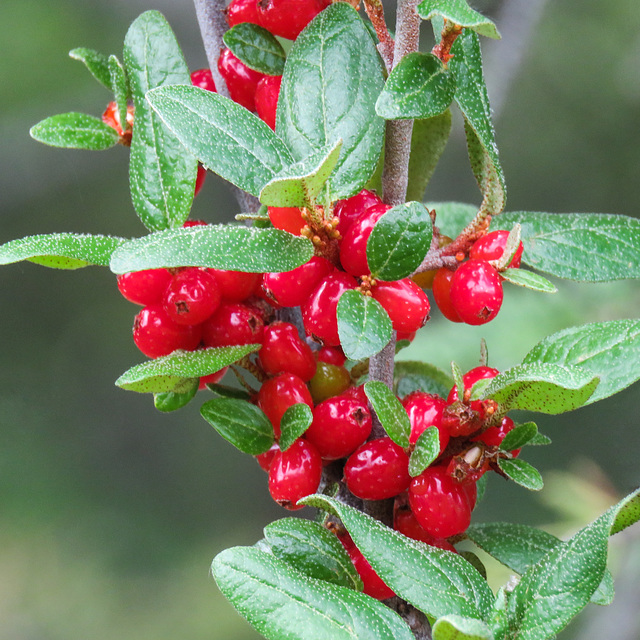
x: 283, y: 351
x: 319, y: 311
x: 440, y: 504
x: 266, y: 459
x: 331, y: 355
x: 266, y: 98
x: 493, y: 436
x: 405, y: 523
x: 287, y: 18
x: 294, y: 474
x: 212, y: 378
x: 349, y: 210
x: 441, y: 287
x: 235, y: 286
x: 340, y: 425
x: 192, y: 296
x: 491, y: 247
x: 328, y: 381
x: 288, y: 219
x: 425, y: 410
x: 377, y: 470
x: 156, y: 335
x: 292, y: 288
x: 240, y: 11
x: 145, y: 287
x: 476, y: 292
x: 232, y: 324
x: 353, y: 248
x: 277, y: 394
x: 202, y: 78
x: 111, y: 116
x: 470, y: 378
x: 405, y: 302
x: 200, y: 178
x: 357, y: 393
x: 241, y: 81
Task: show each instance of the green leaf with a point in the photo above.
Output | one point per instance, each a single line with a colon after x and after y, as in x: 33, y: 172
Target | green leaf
x: 399, y: 241
x: 161, y: 173
x: 588, y: 247
x: 61, y: 250
x: 237, y: 248
x: 279, y: 602
x: 312, y: 550
x: 97, y: 64
x: 120, y: 87
x: 75, y: 131
x: 412, y: 375
x: 294, y: 423
x: 459, y: 628
x: 452, y: 217
x: 557, y: 587
x: 539, y: 439
x: 227, y: 391
x: 609, y: 350
x: 435, y: 581
x: 172, y: 401
x: 529, y: 280
x: 225, y: 137
x: 300, y: 184
x: 519, y: 436
x: 546, y: 388
x: 331, y: 79
x: 256, y: 47
x: 456, y: 374
x: 522, y: 473
x: 460, y: 13
x: 418, y: 87
x: 241, y: 423
x: 428, y: 140
x: 363, y: 325
x: 427, y: 449
x: 171, y: 373
x: 390, y: 412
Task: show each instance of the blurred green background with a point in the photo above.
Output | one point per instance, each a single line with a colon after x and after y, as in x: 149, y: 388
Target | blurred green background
x: 111, y: 512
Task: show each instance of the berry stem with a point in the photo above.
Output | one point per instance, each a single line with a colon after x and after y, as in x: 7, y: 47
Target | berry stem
x: 448, y: 36
x: 375, y: 12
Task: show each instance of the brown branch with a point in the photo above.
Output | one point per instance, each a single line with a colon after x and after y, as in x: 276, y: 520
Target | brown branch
x: 375, y: 12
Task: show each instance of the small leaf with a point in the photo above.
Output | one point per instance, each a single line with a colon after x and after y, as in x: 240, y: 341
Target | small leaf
x: 280, y: 602
x: 300, y: 184
x: 236, y: 248
x: 75, y: 131
x: 458, y: 12
x: 427, y: 449
x: 399, y: 241
x: 172, y: 401
x: 61, y: 250
x: 312, y: 550
x: 390, y: 412
x: 478, y: 388
x: 256, y: 47
x: 169, y: 373
x: 411, y: 375
x: 519, y: 436
x: 459, y: 628
x: 539, y: 439
x: 522, y: 473
x: 528, y: 279
x: 481, y: 487
x: 120, y: 87
x: 97, y: 64
x: 456, y: 374
x: 294, y: 423
x: 363, y: 325
x: 227, y: 391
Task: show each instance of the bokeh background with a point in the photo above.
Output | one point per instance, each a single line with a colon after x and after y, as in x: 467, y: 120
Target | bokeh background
x: 110, y: 512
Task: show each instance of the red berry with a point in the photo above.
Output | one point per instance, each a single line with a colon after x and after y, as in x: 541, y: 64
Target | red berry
x: 156, y: 335
x: 493, y: 436
x: 200, y: 178
x: 470, y: 378
x: 144, y: 287
x: 425, y: 410
x: 404, y: 521
x: 328, y: 381
x: 194, y: 223
x: 319, y: 311
x: 267, y: 93
x: 287, y: 18
x: 294, y: 474
x: 353, y: 248
x: 212, y: 378
x: 277, y: 394
x: 440, y: 504
x: 236, y: 286
x: 405, y: 302
x: 377, y: 470
x: 240, y: 11
x: 284, y: 351
x: 192, y: 296
x: 357, y: 393
x: 331, y: 355
x: 441, y: 287
x: 202, y: 78
x: 265, y: 459
x: 287, y: 218
x: 339, y: 426
x: 241, y: 81
x: 292, y: 288
x: 491, y: 247
x: 349, y: 210
x: 469, y: 466
x: 111, y: 116
x: 476, y: 292
x: 232, y: 324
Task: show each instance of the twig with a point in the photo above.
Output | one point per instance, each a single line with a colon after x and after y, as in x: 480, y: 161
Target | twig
x: 375, y: 12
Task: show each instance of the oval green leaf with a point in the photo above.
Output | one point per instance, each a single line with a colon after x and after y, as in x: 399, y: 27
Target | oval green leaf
x: 390, y: 412
x: 75, y: 131
x: 295, y: 421
x: 427, y: 449
x: 172, y: 401
x: 256, y: 47
x: 519, y: 436
x: 412, y: 375
x: 529, y: 280
x: 97, y: 64
x: 458, y: 12
x: 120, y: 86
x: 459, y: 628
x: 522, y: 473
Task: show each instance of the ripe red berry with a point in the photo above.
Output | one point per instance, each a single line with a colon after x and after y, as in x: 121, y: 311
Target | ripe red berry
x: 111, y: 116
x: 440, y: 504
x: 292, y: 288
x: 328, y: 381
x: 284, y: 351
x: 287, y: 218
x: 287, y: 18
x: 294, y: 474
x: 476, y: 292
x: 469, y: 466
x: 194, y: 223
x: 349, y: 210
x: 277, y: 394
x: 240, y: 11
x: 425, y: 410
x: 353, y: 248
x: 493, y: 436
x: 424, y: 279
x: 144, y: 287
x: 212, y: 378
x: 331, y: 355
x: 377, y: 470
x: 241, y: 81
x: 200, y: 178
x: 267, y: 93
x: 232, y: 324
x: 441, y: 287
x: 192, y: 296
x: 202, y: 78
x: 156, y: 335
x: 470, y: 378
x: 236, y: 286
x: 265, y: 459
x: 319, y: 311
x: 491, y: 247
x: 405, y: 302
x: 404, y: 521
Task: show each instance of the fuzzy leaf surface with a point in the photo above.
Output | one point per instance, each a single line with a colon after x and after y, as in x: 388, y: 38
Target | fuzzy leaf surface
x: 331, y: 79
x: 458, y: 12
x: 120, y: 87
x: 459, y: 628
x: 413, y: 375
x: 522, y: 473
x: 426, y: 450
x: 75, y: 131
x: 294, y: 423
x: 282, y: 603
x: 97, y: 64
x: 529, y: 280
x: 256, y: 47
x: 519, y: 436
x: 390, y: 412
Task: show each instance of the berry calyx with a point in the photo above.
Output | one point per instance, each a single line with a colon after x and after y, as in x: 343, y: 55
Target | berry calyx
x: 292, y: 288
x: 266, y: 99
x: 144, y: 287
x: 476, y: 292
x: 405, y: 302
x: 192, y: 296
x: 232, y: 324
x: 241, y: 80
x: 284, y: 351
x: 491, y: 247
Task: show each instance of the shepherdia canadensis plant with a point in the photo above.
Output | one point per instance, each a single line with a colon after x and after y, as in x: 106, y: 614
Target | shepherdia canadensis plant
x: 329, y: 126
